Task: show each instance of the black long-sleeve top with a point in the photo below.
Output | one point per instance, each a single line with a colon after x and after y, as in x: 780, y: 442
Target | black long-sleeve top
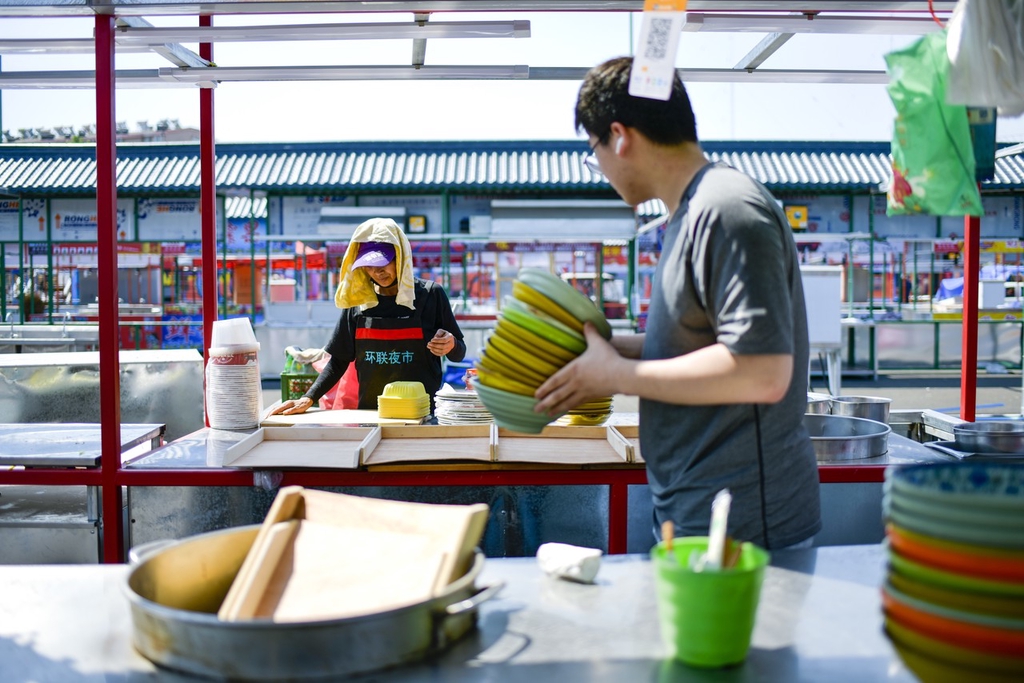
x: 435, y: 311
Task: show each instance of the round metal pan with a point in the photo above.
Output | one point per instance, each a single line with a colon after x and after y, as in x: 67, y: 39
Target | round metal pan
x: 869, y: 407
x: 989, y: 437
x: 837, y: 437
x: 175, y: 591
x: 818, y: 403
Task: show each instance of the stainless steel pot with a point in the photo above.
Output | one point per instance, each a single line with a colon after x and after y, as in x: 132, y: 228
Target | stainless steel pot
x: 836, y: 437
x: 868, y: 407
x: 175, y: 592
x: 818, y: 404
x: 989, y: 437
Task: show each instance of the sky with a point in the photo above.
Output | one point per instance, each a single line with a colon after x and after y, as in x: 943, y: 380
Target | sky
x: 333, y: 111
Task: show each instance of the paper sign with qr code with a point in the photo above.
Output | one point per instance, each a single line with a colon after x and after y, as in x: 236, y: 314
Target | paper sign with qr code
x: 655, y: 61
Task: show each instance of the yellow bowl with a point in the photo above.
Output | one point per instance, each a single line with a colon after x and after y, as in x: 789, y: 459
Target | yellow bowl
x: 404, y: 390
x: 535, y: 341
x: 504, y: 383
x: 530, y: 296
x: 527, y: 358
x: 487, y: 363
x: 516, y: 369
x: 539, y: 358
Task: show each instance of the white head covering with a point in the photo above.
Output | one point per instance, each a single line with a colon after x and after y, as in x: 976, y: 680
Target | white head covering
x: 355, y: 287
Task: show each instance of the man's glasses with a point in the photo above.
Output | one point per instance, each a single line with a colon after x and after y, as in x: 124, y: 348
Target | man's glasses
x: 590, y: 161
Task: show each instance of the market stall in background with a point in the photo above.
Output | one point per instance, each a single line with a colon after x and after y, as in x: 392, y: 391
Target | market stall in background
x: 279, y: 244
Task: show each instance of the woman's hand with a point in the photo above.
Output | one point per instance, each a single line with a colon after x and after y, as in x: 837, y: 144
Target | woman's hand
x: 442, y: 343
x: 293, y: 407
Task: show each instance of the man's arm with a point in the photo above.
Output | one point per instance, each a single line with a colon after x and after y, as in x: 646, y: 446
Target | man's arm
x: 709, y: 376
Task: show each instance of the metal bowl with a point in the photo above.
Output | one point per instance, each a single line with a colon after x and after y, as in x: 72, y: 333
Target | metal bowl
x: 837, y: 437
x: 867, y: 407
x: 817, y: 403
x: 989, y: 437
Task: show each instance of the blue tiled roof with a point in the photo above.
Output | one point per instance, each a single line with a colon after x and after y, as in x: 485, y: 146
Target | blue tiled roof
x: 419, y: 167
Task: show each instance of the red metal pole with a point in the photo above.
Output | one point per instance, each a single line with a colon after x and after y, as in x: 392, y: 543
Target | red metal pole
x: 969, y: 331
x: 208, y: 201
x: 618, y: 515
x: 106, y: 238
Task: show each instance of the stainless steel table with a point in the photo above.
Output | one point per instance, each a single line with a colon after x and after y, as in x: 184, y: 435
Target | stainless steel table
x: 58, y: 523
x: 819, y: 620
x: 67, y: 444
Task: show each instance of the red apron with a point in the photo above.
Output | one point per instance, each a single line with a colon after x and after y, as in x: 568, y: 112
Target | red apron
x: 389, y: 350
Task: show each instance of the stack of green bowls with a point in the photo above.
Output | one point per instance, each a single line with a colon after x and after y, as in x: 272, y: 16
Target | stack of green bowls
x: 954, y: 591
x: 539, y: 330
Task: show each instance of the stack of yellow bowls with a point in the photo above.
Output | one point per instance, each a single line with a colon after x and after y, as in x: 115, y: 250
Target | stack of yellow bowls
x: 403, y: 401
x: 540, y: 329
x: 954, y: 591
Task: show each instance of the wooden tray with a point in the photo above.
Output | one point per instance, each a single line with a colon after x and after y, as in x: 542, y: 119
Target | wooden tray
x: 320, y: 447
x: 352, y: 447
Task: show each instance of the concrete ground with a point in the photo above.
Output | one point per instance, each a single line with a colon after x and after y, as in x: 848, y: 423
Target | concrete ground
x: 997, y: 394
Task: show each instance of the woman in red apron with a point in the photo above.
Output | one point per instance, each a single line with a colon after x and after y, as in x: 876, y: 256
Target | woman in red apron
x: 394, y: 327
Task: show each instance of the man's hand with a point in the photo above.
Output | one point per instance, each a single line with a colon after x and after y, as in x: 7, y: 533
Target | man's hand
x: 442, y: 343
x: 592, y: 375
x: 293, y: 407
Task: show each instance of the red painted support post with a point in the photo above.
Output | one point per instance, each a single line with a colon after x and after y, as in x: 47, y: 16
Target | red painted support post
x: 969, y: 331
x: 618, y: 515
x: 106, y: 261
x: 208, y: 200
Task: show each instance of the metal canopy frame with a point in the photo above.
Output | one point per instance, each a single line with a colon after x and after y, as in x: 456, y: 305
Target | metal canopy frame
x: 111, y: 476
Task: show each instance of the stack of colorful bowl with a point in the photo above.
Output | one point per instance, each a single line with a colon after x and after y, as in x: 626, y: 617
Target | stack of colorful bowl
x: 540, y: 329
x: 954, y: 593
x: 403, y: 401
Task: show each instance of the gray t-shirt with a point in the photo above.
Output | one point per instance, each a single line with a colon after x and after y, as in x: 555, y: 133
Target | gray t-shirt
x: 729, y: 274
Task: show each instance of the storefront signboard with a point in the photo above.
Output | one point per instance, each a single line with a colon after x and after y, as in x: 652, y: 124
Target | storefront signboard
x: 162, y: 220
x: 300, y: 215
x: 33, y: 219
x: 74, y: 220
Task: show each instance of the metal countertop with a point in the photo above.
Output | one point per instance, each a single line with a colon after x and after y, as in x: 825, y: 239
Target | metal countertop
x: 820, y: 619
x: 68, y: 444
x: 205, y: 448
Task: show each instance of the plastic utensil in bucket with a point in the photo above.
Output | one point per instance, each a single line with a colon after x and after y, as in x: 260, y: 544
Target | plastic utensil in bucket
x: 707, y: 617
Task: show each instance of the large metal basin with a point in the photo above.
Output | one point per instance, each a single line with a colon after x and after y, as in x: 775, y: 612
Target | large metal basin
x: 837, y: 437
x: 819, y: 404
x: 869, y: 407
x: 175, y: 593
x: 989, y: 437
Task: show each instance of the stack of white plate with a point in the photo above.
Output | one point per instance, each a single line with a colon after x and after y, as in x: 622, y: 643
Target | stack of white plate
x: 460, y: 407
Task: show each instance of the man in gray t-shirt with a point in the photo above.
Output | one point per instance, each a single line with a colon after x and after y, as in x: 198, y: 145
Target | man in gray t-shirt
x: 722, y: 369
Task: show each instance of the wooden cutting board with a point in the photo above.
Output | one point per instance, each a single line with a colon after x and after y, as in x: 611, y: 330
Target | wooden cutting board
x: 330, y: 572
x: 351, y: 548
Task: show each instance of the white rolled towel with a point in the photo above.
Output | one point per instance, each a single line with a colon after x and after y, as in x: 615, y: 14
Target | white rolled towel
x: 569, y: 561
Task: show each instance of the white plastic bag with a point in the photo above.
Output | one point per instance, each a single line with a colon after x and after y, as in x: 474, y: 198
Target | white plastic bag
x: 985, y: 45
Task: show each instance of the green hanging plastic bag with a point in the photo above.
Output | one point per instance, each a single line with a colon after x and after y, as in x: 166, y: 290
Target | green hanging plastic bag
x: 932, y: 155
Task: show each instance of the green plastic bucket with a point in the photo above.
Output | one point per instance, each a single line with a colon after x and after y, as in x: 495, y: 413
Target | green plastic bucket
x: 707, y: 617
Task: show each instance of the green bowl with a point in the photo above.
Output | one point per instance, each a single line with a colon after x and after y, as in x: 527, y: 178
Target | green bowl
x: 513, y: 411
x: 549, y: 329
x: 566, y: 296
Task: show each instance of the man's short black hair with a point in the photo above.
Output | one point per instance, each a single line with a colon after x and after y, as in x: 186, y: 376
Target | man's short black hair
x: 604, y: 98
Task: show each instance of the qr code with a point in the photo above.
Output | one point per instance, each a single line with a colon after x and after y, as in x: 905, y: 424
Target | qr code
x: 657, y: 38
